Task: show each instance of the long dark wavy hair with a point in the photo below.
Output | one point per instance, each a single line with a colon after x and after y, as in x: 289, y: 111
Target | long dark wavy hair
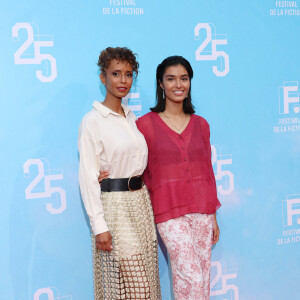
x: 175, y: 60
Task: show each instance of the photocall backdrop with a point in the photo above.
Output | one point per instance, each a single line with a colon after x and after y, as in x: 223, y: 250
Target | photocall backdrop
x: 245, y: 56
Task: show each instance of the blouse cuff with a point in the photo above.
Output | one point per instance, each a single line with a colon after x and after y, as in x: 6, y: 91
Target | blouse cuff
x: 99, y: 226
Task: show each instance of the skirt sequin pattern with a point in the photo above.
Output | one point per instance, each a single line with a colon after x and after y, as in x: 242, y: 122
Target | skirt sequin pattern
x: 130, y: 270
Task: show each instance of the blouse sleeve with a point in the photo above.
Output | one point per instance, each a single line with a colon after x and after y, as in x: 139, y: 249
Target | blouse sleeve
x: 145, y: 127
x: 139, y: 125
x: 206, y: 134
x: 89, y: 166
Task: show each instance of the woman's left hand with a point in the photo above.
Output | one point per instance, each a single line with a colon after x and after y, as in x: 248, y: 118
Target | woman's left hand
x: 216, y: 231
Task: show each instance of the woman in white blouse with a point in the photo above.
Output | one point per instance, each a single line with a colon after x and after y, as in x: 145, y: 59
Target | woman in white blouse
x: 124, y: 238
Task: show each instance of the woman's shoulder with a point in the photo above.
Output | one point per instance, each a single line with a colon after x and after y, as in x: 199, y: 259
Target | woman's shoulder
x: 145, y: 118
x: 89, y: 118
x: 201, y: 120
x: 145, y: 123
x: 90, y: 122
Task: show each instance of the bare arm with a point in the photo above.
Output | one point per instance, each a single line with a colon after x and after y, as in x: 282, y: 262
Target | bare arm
x: 216, y: 230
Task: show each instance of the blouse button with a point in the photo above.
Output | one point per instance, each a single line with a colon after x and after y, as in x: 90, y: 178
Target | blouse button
x: 180, y: 137
x: 186, y: 169
x: 188, y: 181
x: 182, y: 148
x: 184, y: 159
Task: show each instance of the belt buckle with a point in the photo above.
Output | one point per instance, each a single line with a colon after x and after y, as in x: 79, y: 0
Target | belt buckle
x: 130, y: 189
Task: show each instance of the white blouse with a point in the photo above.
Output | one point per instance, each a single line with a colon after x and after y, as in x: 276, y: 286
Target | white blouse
x: 107, y: 141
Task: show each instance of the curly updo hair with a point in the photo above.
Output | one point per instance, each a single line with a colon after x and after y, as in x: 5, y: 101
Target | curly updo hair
x: 119, y: 53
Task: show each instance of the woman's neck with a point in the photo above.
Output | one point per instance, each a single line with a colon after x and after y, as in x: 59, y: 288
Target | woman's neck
x: 113, y: 104
x: 174, y: 109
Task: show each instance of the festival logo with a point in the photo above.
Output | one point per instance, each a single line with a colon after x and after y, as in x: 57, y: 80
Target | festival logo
x: 41, y: 186
x: 49, y: 293
x: 290, y: 220
x: 122, y: 7
x: 224, y: 178
x: 285, y: 8
x: 133, y: 101
x: 30, y: 51
x: 210, y: 40
x: 222, y: 282
x: 288, y: 106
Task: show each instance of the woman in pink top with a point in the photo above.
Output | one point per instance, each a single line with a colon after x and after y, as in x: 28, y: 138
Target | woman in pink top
x: 180, y: 179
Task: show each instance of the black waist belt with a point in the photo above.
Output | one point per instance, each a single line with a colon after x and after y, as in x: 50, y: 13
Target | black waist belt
x: 122, y: 184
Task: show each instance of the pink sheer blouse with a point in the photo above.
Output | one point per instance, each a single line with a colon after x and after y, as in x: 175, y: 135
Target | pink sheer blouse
x: 179, y: 174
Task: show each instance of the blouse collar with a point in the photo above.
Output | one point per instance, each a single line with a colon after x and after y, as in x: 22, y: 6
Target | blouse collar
x: 105, y: 111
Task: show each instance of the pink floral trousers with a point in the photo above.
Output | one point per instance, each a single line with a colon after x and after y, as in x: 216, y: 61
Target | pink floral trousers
x: 188, y: 240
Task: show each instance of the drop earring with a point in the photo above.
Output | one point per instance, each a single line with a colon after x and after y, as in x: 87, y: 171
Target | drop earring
x: 187, y: 95
x: 163, y: 94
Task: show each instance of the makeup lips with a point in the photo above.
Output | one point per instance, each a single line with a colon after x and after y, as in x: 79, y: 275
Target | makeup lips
x: 122, y: 89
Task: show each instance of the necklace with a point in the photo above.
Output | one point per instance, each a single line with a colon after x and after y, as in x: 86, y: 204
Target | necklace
x: 177, y: 129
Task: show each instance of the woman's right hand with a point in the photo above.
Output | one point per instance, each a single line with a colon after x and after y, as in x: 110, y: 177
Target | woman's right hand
x: 104, y: 241
x: 103, y: 175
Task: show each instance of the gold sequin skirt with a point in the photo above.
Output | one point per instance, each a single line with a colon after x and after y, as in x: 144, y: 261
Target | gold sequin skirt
x: 130, y: 270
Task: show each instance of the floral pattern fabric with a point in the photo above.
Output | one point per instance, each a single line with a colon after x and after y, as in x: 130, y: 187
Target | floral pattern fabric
x: 188, y: 240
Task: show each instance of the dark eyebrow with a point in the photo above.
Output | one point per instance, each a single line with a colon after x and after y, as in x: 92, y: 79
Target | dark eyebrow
x: 117, y: 70
x: 184, y: 75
